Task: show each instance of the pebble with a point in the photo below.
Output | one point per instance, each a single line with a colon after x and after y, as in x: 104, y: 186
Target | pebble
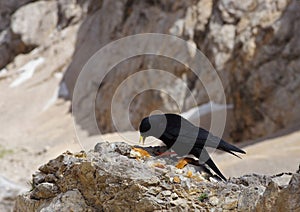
x: 166, y: 193
x: 174, y: 196
x: 154, y: 190
x: 179, y: 202
x: 214, y: 201
x: 230, y: 203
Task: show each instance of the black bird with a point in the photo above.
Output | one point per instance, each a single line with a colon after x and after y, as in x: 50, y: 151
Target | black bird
x: 185, y: 138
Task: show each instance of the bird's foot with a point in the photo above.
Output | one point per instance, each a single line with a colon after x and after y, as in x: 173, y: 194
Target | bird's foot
x: 184, y: 161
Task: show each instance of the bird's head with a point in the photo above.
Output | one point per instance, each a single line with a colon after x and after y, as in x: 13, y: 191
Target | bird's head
x: 153, y: 125
x: 144, y: 129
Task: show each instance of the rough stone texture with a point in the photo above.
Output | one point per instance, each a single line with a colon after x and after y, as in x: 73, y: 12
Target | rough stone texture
x: 10, y: 44
x: 35, y: 22
x: 286, y: 199
x: 127, y: 19
x: 110, y: 179
x: 263, y: 68
x: 249, y: 44
x: 7, y: 8
x: 253, y: 46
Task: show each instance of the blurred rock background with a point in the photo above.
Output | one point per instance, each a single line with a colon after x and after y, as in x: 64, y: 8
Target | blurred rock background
x: 254, y: 46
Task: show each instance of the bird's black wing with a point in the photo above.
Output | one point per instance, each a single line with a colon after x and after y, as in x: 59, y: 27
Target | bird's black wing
x: 190, y: 135
x: 181, y: 134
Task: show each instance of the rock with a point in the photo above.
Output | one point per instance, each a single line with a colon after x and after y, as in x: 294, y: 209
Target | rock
x: 69, y: 13
x: 282, y: 180
x: 179, y: 202
x: 10, y: 45
x: 69, y: 201
x: 44, y: 191
x: 214, y: 201
x: 166, y: 193
x: 174, y: 196
x: 230, y: 204
x: 6, y: 9
x: 35, y: 22
x: 154, y: 190
x: 254, y: 48
x: 107, y: 180
x: 286, y: 199
x: 243, y: 42
x: 259, y: 66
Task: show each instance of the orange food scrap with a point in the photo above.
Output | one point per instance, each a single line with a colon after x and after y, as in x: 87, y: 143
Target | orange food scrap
x: 159, y: 165
x: 189, y: 174
x: 176, y: 179
x: 142, y: 152
x: 182, y: 163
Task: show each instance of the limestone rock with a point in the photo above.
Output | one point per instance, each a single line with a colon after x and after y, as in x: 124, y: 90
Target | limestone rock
x: 108, y: 179
x: 6, y: 9
x: 35, y: 22
x: 253, y: 46
x: 10, y: 45
x: 44, y: 191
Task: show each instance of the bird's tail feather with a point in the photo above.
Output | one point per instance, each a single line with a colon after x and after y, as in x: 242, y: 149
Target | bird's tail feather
x: 232, y: 153
x: 213, y: 166
x: 229, y: 148
x: 216, y: 142
x: 204, y: 157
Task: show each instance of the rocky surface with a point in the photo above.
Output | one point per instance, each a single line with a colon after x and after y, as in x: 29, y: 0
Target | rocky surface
x: 116, y: 176
x: 249, y: 45
x: 254, y: 48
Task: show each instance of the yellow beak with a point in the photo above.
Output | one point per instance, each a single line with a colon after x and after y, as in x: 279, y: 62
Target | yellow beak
x: 142, y: 140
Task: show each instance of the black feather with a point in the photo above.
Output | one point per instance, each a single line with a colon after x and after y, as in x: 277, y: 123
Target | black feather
x: 185, y: 138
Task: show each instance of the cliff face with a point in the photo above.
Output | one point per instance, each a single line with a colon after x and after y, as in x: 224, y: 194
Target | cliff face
x: 115, y: 177
x: 253, y: 46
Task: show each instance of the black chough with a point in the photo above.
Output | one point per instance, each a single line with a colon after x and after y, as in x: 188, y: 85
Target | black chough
x: 185, y: 138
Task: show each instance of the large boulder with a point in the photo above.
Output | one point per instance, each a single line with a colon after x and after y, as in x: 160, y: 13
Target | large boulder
x: 117, y: 176
x: 10, y: 43
x: 253, y: 46
x: 35, y: 22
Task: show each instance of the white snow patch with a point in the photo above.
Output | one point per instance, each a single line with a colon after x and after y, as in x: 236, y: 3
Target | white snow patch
x: 3, y: 71
x: 56, y: 93
x: 58, y: 75
x: 27, y: 71
x: 52, y: 100
x: 205, y: 109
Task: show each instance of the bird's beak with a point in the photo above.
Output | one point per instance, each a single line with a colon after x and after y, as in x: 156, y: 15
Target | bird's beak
x: 142, y: 139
